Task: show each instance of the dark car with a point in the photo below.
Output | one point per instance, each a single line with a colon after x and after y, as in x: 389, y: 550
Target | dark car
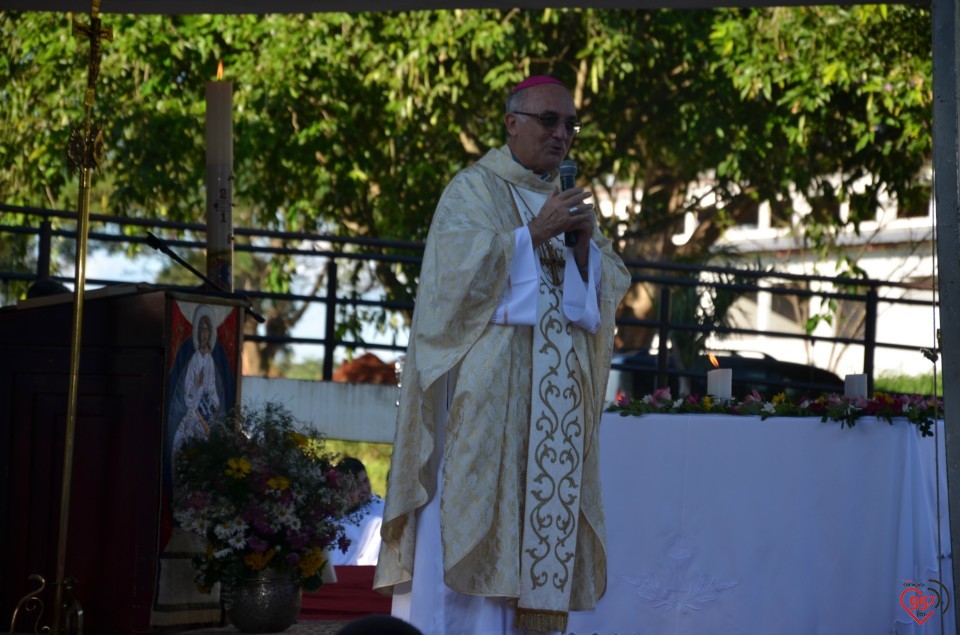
x: 635, y: 375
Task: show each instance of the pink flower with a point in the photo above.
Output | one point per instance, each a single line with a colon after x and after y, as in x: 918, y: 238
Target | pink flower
x: 660, y: 395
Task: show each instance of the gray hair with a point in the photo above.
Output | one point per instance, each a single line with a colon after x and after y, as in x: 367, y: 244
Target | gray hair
x: 515, y: 100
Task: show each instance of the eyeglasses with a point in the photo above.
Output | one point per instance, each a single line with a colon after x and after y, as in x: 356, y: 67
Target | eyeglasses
x: 550, y: 120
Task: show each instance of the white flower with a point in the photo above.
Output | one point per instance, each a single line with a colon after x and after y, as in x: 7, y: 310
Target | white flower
x: 193, y: 524
x: 229, y: 529
x: 805, y: 403
x: 238, y: 542
x: 678, y: 403
x: 286, y: 515
x: 769, y: 407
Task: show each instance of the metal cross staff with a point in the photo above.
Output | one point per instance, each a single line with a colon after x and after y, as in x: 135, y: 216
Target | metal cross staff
x: 85, y: 151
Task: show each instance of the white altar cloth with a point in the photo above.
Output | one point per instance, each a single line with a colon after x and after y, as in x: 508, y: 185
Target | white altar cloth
x: 721, y: 524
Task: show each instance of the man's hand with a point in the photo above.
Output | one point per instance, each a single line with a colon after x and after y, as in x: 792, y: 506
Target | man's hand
x: 565, y: 211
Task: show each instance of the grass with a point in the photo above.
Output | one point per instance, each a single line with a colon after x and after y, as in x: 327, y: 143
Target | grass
x: 909, y: 384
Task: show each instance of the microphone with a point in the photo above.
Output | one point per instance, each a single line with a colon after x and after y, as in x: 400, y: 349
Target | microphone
x: 568, y: 173
x: 158, y: 244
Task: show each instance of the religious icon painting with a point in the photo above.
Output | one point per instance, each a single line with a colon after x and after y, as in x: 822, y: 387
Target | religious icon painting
x: 204, y: 341
x: 202, y: 375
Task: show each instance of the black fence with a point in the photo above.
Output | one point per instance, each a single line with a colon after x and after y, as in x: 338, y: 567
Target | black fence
x: 50, y: 231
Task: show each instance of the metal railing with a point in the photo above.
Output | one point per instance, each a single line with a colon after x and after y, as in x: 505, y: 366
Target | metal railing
x: 37, y: 225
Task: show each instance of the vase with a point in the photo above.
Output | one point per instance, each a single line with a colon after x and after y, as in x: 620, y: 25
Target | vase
x: 266, y: 603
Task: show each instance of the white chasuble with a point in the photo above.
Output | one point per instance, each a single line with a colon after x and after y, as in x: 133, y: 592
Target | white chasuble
x: 510, y: 469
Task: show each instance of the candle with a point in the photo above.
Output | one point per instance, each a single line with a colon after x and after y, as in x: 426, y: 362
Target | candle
x: 855, y: 386
x: 720, y: 383
x: 219, y: 138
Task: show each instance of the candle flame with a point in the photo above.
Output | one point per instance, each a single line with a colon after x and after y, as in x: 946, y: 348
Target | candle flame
x: 713, y: 360
x: 220, y: 71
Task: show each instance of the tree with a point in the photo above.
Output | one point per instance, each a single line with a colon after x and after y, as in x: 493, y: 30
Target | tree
x: 351, y: 124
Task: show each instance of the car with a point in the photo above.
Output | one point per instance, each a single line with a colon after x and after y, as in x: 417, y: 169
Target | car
x: 635, y: 374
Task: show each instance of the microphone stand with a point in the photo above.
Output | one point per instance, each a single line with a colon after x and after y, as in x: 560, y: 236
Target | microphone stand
x: 162, y: 247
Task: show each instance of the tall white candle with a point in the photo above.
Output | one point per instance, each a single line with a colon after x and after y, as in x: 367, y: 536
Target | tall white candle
x: 219, y: 137
x: 720, y: 383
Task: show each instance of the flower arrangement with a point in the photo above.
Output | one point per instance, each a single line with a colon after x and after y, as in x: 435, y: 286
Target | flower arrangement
x: 920, y: 410
x: 262, y: 492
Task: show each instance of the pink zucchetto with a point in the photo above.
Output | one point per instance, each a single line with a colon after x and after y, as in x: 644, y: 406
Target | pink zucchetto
x: 536, y: 80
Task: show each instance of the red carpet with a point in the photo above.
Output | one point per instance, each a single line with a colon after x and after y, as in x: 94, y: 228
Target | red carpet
x: 351, y: 597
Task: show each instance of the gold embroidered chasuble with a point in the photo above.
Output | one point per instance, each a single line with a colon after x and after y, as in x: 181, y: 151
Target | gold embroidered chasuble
x: 466, y: 262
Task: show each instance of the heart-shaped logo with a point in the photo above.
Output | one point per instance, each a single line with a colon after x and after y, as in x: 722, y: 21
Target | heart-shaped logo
x: 919, y: 606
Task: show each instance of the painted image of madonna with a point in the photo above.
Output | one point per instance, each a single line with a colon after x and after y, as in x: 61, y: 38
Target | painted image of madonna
x: 203, y: 369
x: 202, y: 378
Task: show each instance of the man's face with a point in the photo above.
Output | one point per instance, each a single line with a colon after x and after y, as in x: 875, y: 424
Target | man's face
x: 539, y: 148
x: 361, y: 493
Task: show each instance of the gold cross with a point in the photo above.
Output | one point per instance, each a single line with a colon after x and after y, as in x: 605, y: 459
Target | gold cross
x: 95, y: 32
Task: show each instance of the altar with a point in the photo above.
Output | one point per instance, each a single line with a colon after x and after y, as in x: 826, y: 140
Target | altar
x: 723, y: 524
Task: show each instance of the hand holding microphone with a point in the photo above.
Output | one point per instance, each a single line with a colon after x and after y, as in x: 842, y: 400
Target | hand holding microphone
x: 564, y: 211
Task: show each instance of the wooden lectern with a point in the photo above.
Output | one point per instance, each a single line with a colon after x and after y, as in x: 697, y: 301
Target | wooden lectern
x: 136, y: 344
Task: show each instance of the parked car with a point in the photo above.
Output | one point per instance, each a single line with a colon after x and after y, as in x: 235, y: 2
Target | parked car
x: 635, y: 375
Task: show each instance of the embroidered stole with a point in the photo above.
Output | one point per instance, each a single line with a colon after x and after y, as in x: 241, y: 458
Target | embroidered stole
x: 554, y: 467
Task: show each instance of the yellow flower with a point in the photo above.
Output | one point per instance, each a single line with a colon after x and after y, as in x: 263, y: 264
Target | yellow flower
x: 258, y: 561
x: 311, y: 447
x: 311, y: 563
x: 238, y: 468
x: 779, y: 398
x: 299, y: 440
x: 707, y: 404
x: 278, y: 483
x: 314, y: 449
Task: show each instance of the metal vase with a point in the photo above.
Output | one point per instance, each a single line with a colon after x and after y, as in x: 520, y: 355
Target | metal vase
x: 266, y: 603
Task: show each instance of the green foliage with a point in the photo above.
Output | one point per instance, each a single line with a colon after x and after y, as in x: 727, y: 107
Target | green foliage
x: 352, y: 124
x: 844, y: 91
x: 706, y: 307
x: 909, y: 384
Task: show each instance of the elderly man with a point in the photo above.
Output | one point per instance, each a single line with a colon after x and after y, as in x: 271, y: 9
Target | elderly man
x: 493, y: 518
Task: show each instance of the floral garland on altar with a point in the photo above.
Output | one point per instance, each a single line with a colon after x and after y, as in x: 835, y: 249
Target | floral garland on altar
x: 920, y: 410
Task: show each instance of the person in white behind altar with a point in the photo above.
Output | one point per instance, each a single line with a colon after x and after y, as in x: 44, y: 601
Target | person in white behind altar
x: 493, y: 520
x: 362, y: 526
